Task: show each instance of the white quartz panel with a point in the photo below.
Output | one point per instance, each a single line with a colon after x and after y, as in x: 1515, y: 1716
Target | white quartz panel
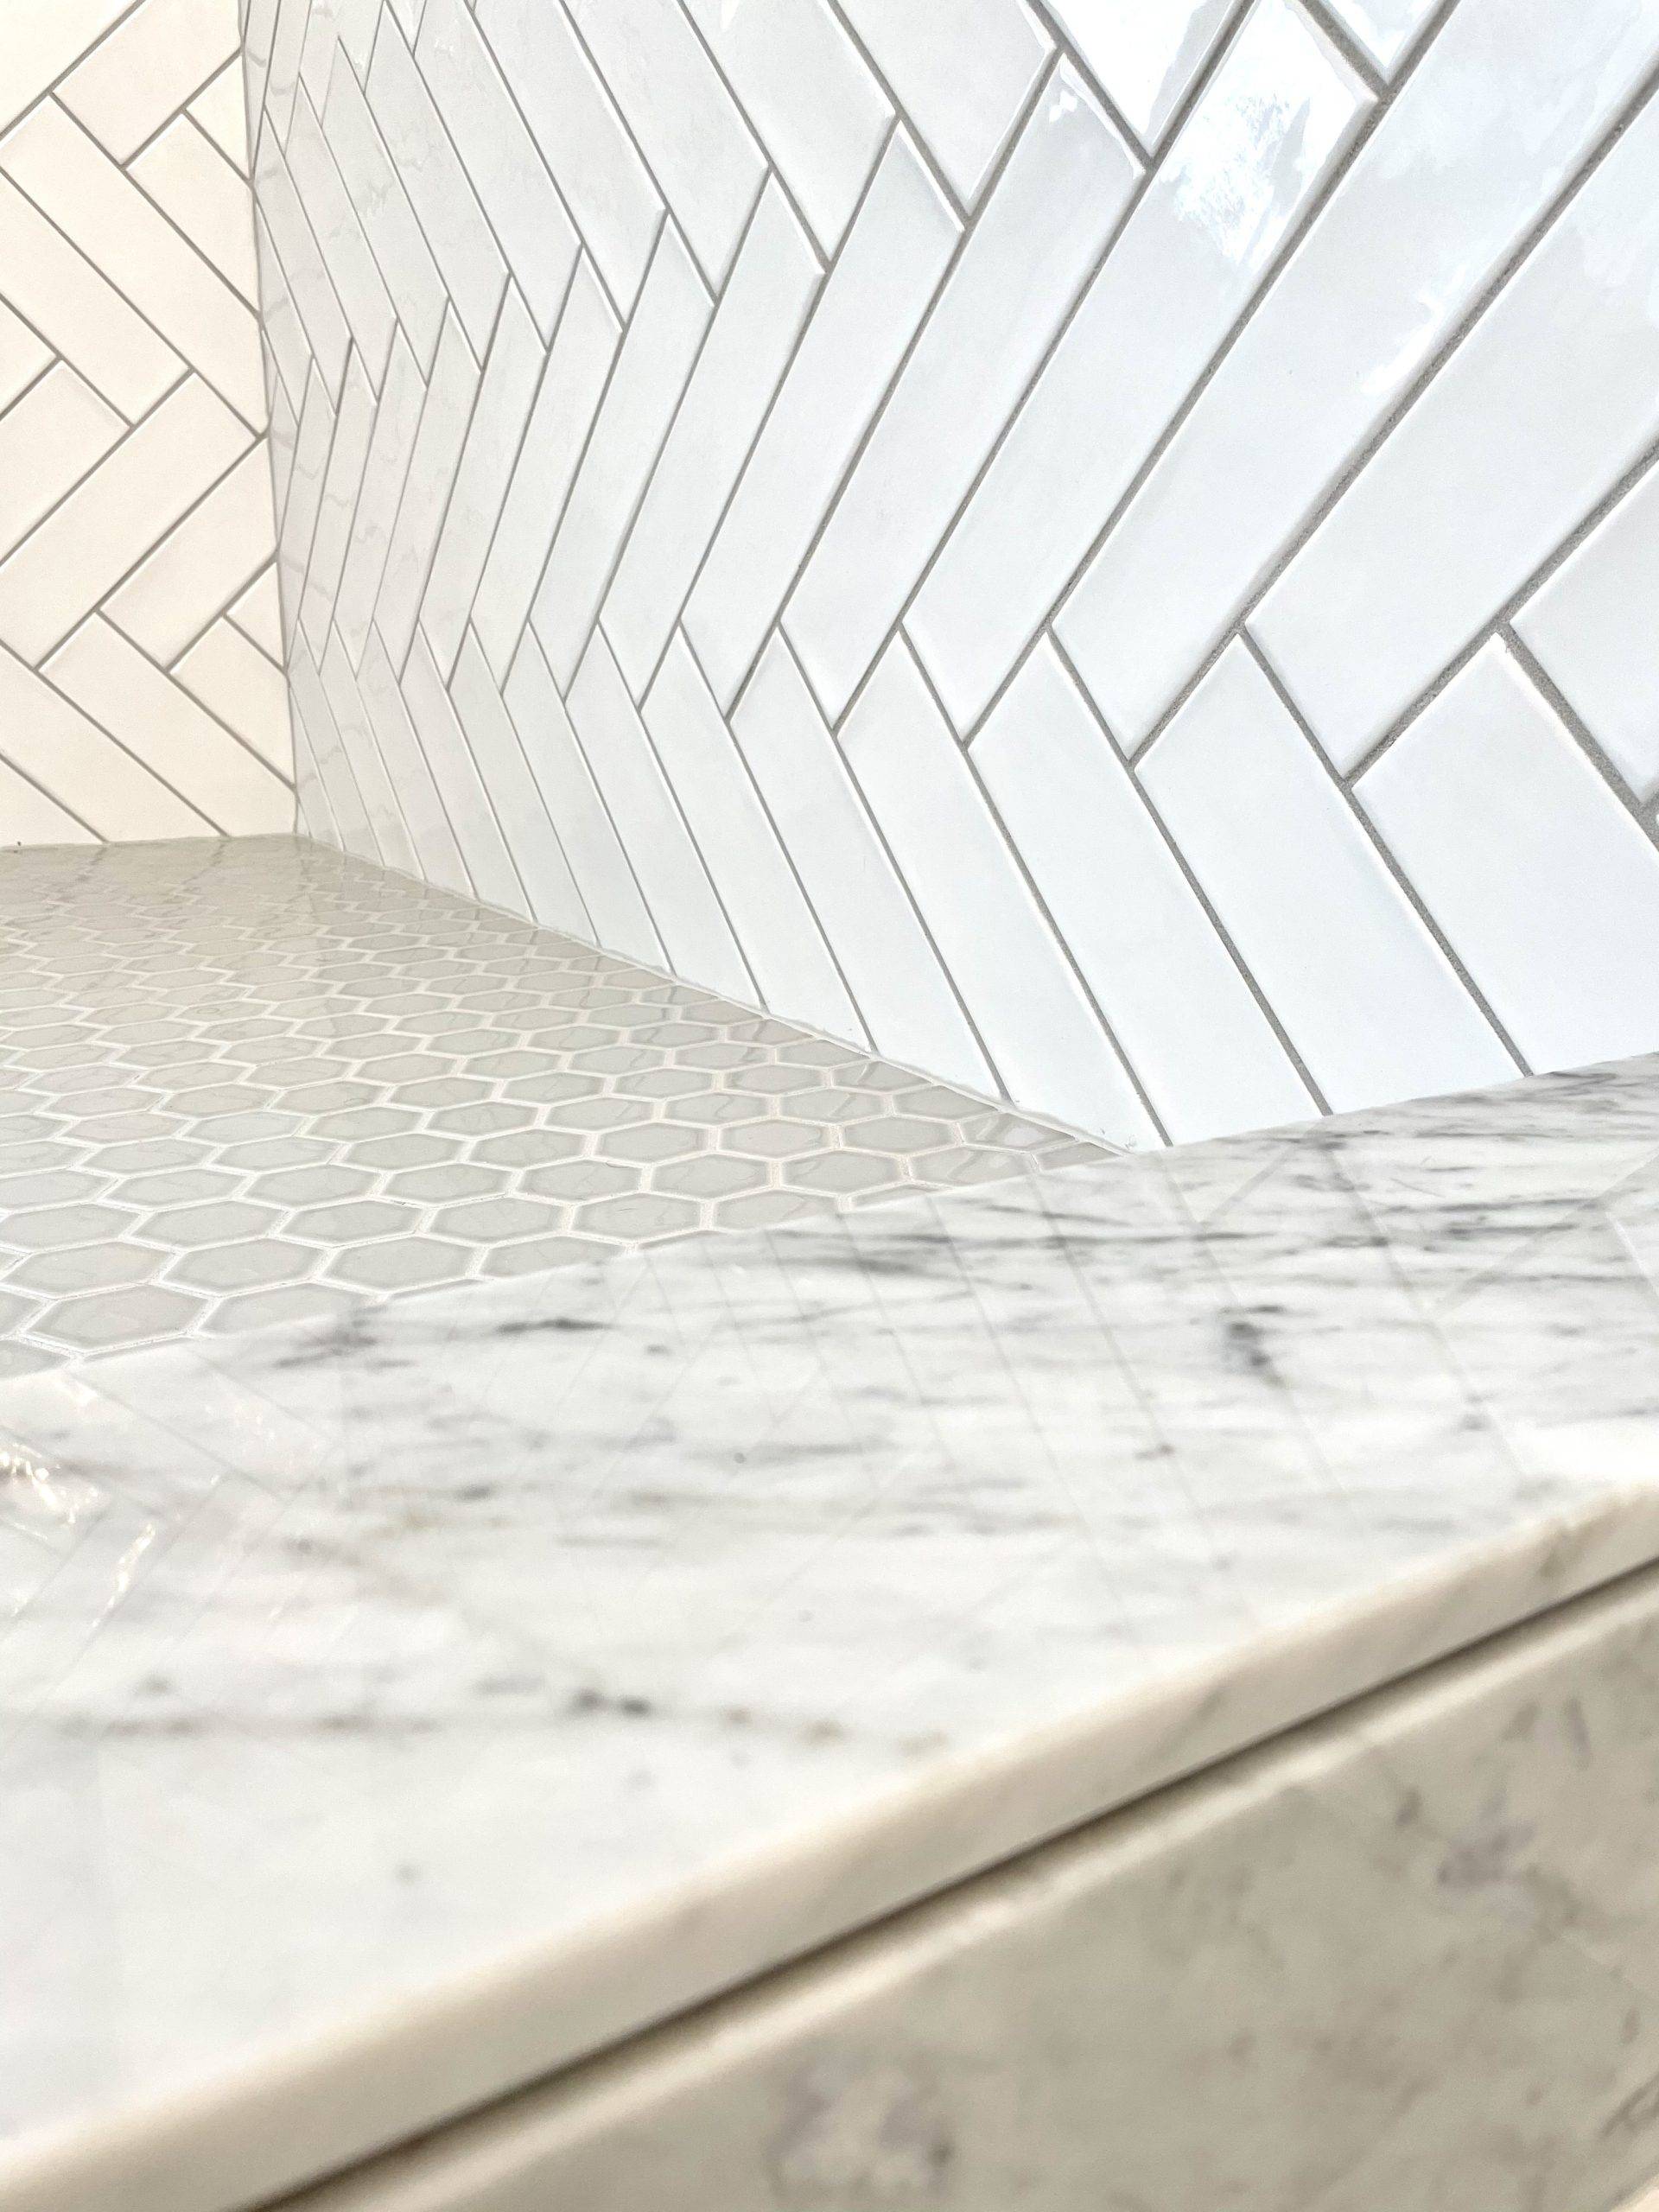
x: 1441, y: 191
x: 872, y: 304
x: 1038, y: 1028
x: 1365, y: 995
x: 1546, y: 888
x: 1271, y: 123
x: 1020, y: 268
x: 1543, y: 408
x: 892, y: 968
x: 1588, y: 627
x: 1180, y: 1007
x: 1146, y: 53
x: 962, y: 72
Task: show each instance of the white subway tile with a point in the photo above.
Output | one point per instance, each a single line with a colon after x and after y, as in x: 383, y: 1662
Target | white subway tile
x: 595, y: 164
x: 684, y: 904
x: 1506, y: 103
x: 1183, y: 1014
x: 408, y: 773
x: 1590, y: 627
x: 23, y: 357
x: 200, y: 567
x: 572, y: 385
x: 233, y: 680
x: 40, y: 40
x: 507, y: 172
x: 54, y: 436
x: 690, y: 130
x: 1041, y: 1032
x: 867, y: 315
x: 781, y: 940
x: 258, y: 612
x: 77, y: 312
x: 756, y: 324
x: 516, y: 796
x: 1019, y: 269
x: 353, y: 269
x: 66, y: 754
x: 1539, y: 412
x: 807, y: 91
x: 1145, y: 53
x: 1387, y: 29
x: 465, y: 802
x: 395, y: 424
x: 147, y: 68
x: 191, y: 182
x: 92, y: 538
x: 432, y: 464
x: 1271, y: 123
x: 342, y: 483
x: 396, y: 239
x: 164, y: 727
x: 621, y: 922
x: 28, y: 816
x: 1364, y: 994
x: 510, y: 375
x: 891, y: 967
x: 960, y: 69
x: 659, y: 348
x: 445, y: 205
x: 1546, y: 888
x: 220, y: 107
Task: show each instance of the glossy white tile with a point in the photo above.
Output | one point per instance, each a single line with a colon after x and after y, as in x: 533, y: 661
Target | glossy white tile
x: 435, y: 456
x: 1202, y: 240
x: 516, y: 798
x: 397, y: 419
x: 408, y: 772
x: 467, y: 803
x: 196, y: 188
x: 398, y: 244
x: 57, y: 433
x: 235, y: 680
x: 1366, y: 996
x: 78, y: 313
x: 353, y: 269
x: 962, y: 72
x: 342, y: 487
x: 200, y: 565
x: 151, y: 63
x: 1145, y: 53
x: 60, y: 750
x: 1546, y: 888
x: 1387, y: 29
x: 1020, y: 268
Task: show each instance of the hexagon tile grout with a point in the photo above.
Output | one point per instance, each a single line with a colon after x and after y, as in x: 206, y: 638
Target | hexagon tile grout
x: 256, y: 1081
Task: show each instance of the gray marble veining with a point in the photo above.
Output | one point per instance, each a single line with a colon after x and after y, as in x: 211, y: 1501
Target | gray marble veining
x: 399, y: 1706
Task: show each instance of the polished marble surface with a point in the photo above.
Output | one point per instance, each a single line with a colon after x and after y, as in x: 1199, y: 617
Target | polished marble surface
x: 255, y: 1081
x: 400, y: 1706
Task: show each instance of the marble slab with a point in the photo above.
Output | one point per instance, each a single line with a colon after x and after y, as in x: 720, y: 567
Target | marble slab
x: 399, y: 1707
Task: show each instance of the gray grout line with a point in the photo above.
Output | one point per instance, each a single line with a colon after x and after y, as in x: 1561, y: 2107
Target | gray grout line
x: 946, y: 190
x: 1585, y: 737
x: 1330, y: 26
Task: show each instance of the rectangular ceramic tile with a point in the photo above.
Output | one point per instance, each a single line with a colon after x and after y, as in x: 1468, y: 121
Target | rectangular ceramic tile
x: 891, y: 970
x: 163, y: 727
x: 75, y: 183
x: 1145, y: 53
x: 684, y: 905
x: 41, y: 40
x: 89, y: 542
x: 443, y: 743
x: 510, y: 377
x: 810, y: 97
x: 313, y: 443
x: 1541, y: 409
x: 433, y: 461
x: 451, y: 220
x: 1387, y: 29
x: 55, y: 435
x: 658, y: 350
x: 220, y: 108
x: 1201, y: 242
x: 396, y: 239
x: 1041, y: 1032
x: 620, y: 920
x: 691, y: 131
x: 150, y: 64
x: 520, y: 808
x: 234, y: 680
x: 1585, y: 629
x: 259, y: 613
x: 284, y: 344
x: 1441, y: 191
x: 28, y: 816
x: 282, y: 76
x: 1019, y: 269
x: 397, y: 421
x: 872, y: 302
x: 962, y: 74
x: 536, y: 236
x: 78, y: 314
x: 381, y: 804
x: 1545, y: 886
x: 322, y: 323
x: 781, y: 940
x: 757, y: 320
x: 340, y: 238
x: 23, y: 358
x: 408, y: 772
x: 597, y: 167
x: 200, y: 567
x: 193, y: 184
x: 578, y: 367
x: 1181, y: 1011
x: 352, y: 829
x: 342, y: 485
x: 60, y: 750
x: 1364, y: 994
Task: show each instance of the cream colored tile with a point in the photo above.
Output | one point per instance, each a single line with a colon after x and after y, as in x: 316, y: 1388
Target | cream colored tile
x: 235, y: 680
x: 55, y: 435
x: 149, y: 67
x: 77, y: 312
x: 42, y: 39
x: 199, y: 566
x: 59, y: 749
x: 188, y: 177
x: 220, y: 107
x: 22, y: 356
x: 28, y: 816
x: 259, y: 613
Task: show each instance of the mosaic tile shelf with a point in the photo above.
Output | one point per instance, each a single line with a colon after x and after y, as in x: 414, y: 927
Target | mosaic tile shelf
x: 258, y: 1082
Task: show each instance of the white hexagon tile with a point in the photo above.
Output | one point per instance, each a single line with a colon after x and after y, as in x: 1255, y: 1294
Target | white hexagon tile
x: 257, y: 1080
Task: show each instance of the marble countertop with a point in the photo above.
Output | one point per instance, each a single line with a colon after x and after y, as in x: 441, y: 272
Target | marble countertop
x: 399, y: 1706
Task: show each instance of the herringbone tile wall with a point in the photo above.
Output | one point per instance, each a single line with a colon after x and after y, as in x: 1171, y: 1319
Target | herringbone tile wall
x: 1102, y: 549
x: 140, y: 687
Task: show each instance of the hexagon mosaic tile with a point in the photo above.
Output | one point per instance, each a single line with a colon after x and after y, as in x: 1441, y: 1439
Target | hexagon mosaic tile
x: 253, y: 1081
